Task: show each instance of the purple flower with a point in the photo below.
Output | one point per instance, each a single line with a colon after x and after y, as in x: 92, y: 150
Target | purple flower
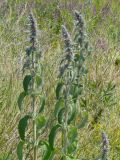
x: 105, y: 148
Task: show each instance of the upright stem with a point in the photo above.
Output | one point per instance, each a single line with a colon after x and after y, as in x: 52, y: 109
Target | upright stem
x: 65, y: 127
x: 66, y: 119
x: 34, y: 127
x: 34, y: 110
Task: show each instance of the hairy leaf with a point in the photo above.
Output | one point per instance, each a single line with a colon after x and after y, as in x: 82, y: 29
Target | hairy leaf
x: 58, y: 89
x: 20, y: 150
x: 20, y: 99
x: 22, y: 126
x: 72, y: 135
x: 52, y: 135
x: 61, y: 115
x: 42, y: 104
x: 48, y: 151
x: 58, y: 106
x: 41, y: 122
x: 76, y: 90
x: 38, y: 80
x: 72, y: 116
x: 26, y: 82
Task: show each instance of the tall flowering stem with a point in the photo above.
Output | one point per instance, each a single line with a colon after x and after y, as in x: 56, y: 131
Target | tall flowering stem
x: 68, y: 58
x: 30, y: 86
x: 80, y: 30
x: 65, y: 74
x: 81, y: 46
x: 33, y: 31
x: 70, y: 73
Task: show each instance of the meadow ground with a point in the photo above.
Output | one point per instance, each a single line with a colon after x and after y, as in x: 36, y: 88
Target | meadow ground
x: 101, y: 85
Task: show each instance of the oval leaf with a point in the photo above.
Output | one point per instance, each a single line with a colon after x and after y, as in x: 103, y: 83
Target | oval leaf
x: 58, y: 106
x: 60, y: 115
x: 22, y: 126
x: 42, y: 104
x: 48, y: 152
x: 41, y: 122
x: 20, y: 100
x: 38, y: 80
x: 72, y: 116
x: 76, y: 90
x: 20, y: 150
x: 58, y: 89
x: 72, y: 134
x: 26, y: 82
x: 52, y: 135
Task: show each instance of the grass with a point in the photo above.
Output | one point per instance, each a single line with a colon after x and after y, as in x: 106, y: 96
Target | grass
x: 104, y: 35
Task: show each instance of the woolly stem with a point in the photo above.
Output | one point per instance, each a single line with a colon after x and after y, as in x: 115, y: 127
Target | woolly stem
x: 65, y: 123
x: 66, y: 65
x: 34, y: 129
x: 33, y: 70
x: 34, y: 110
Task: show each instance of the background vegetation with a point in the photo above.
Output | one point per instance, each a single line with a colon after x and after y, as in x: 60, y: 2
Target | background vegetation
x: 100, y: 97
